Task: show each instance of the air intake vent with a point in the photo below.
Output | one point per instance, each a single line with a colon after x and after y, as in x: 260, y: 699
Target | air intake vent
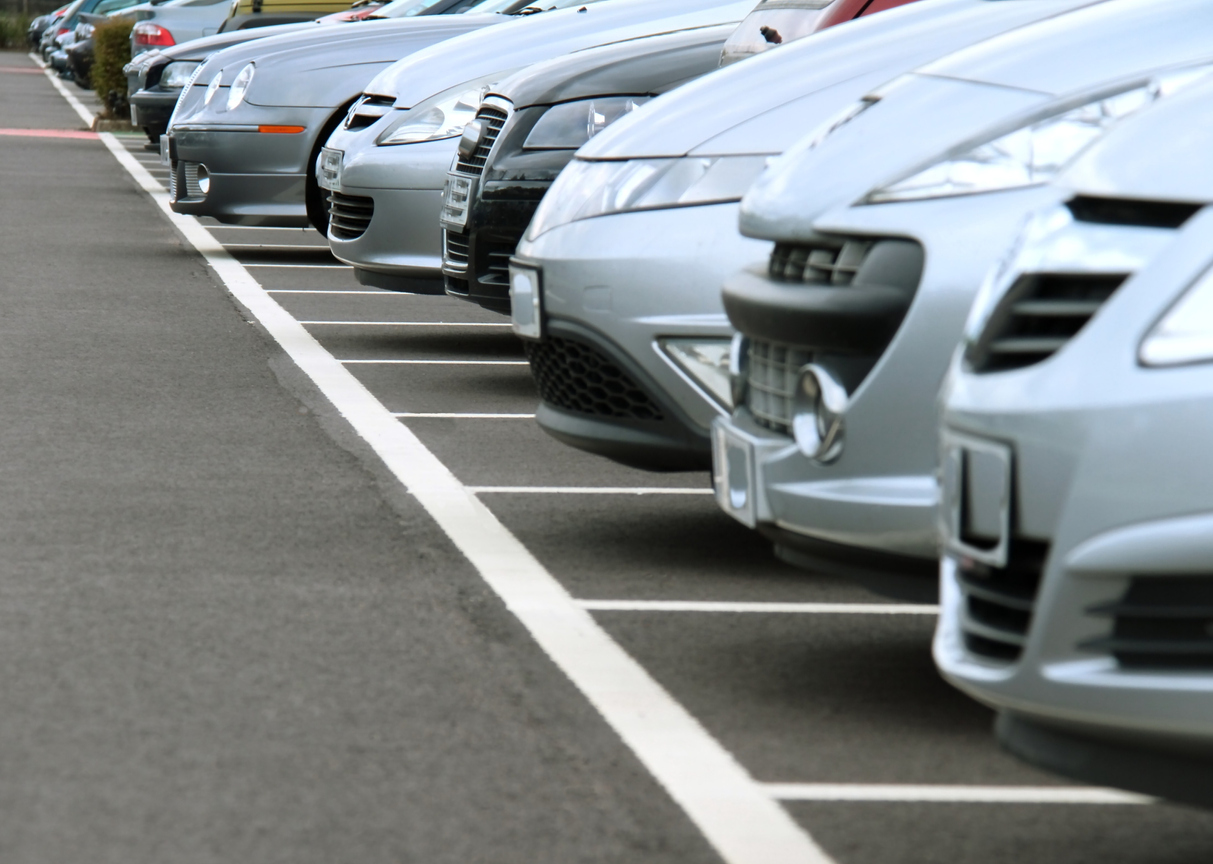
x: 818, y: 264
x: 1038, y: 316
x: 493, y: 119
x: 1126, y: 211
x: 1161, y: 623
x: 773, y: 371
x: 577, y: 377
x: 349, y: 215
x: 367, y: 110
x: 455, y: 250
x: 999, y: 601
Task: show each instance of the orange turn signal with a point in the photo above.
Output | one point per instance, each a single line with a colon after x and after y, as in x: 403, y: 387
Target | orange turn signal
x: 280, y: 130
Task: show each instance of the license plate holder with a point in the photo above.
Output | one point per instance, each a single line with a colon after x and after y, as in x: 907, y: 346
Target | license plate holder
x: 733, y: 474
x: 456, y: 198
x: 977, y: 491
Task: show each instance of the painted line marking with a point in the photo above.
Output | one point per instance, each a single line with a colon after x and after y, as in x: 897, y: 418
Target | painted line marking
x: 404, y: 323
x: 76, y: 134
x: 952, y: 794
x: 584, y: 490
x: 741, y: 821
x: 764, y: 608
x: 20, y: 70
x: 436, y: 362
x: 37, y: 60
x: 438, y: 416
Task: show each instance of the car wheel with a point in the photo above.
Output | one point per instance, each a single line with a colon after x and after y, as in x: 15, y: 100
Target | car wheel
x: 317, y: 205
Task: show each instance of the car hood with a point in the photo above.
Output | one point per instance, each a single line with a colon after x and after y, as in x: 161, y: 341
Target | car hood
x: 927, y: 116
x: 529, y: 40
x: 1176, y: 138
x: 652, y: 64
x: 768, y: 102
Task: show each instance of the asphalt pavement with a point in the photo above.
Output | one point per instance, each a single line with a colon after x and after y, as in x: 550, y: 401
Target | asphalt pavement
x: 230, y: 635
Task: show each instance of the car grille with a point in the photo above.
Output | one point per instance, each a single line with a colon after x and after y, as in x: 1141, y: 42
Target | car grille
x: 576, y: 377
x: 497, y: 261
x: 1160, y: 623
x: 367, y: 110
x: 999, y: 601
x: 493, y: 118
x: 349, y: 215
x: 455, y: 250
x: 818, y: 263
x: 1038, y: 316
x: 771, y: 380
x: 1129, y: 211
x: 184, y: 179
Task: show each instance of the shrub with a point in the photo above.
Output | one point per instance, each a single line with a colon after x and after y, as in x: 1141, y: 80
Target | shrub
x: 12, y: 31
x: 112, y: 51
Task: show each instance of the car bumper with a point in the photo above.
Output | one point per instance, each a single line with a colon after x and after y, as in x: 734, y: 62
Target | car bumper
x: 151, y: 109
x: 666, y: 286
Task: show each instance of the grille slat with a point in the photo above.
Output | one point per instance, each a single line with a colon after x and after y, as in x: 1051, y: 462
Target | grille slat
x: 1000, y: 601
x: 771, y: 383
x: 818, y: 264
x: 455, y: 250
x: 1129, y: 211
x: 349, y: 215
x: 577, y: 377
x: 1161, y: 623
x: 493, y: 119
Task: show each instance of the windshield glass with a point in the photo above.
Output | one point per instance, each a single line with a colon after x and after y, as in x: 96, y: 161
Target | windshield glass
x: 404, y: 8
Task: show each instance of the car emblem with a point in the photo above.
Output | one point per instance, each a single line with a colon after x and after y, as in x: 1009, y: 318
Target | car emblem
x: 472, y: 133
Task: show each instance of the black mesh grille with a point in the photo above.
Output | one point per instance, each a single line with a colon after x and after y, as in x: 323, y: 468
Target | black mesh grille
x: 999, y: 600
x: 818, y: 264
x: 576, y: 377
x: 1127, y: 211
x: 1161, y: 623
x: 771, y: 383
x: 493, y: 119
x: 1038, y: 316
x: 349, y: 215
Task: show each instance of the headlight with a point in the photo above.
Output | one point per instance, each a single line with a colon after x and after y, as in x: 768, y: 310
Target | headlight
x: 1035, y: 153
x: 240, y: 85
x: 568, y: 126
x: 706, y: 361
x: 212, y: 88
x: 176, y: 74
x: 587, y: 189
x: 1185, y: 333
x: 441, y: 116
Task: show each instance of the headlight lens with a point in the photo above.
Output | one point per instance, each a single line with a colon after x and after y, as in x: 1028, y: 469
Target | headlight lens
x: 441, y: 116
x: 568, y: 126
x: 587, y: 189
x: 212, y: 88
x: 1035, y: 153
x: 176, y: 74
x: 1185, y: 333
x: 706, y: 361
x: 240, y: 85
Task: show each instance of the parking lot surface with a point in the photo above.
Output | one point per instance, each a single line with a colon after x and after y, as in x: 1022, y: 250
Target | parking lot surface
x: 232, y: 634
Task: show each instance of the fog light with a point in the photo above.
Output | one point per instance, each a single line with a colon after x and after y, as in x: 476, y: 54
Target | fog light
x: 706, y: 362
x: 739, y: 368
x: 818, y: 408
x: 204, y: 180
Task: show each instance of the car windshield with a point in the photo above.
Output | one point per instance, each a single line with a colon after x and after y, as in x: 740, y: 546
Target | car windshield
x: 404, y: 8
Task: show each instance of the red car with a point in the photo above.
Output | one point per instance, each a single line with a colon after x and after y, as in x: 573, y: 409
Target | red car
x: 774, y: 22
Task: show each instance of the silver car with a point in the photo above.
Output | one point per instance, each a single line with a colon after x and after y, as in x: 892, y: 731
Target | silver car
x: 848, y: 328
x: 633, y: 284
x: 387, y: 166
x: 1078, y: 519
x: 245, y: 134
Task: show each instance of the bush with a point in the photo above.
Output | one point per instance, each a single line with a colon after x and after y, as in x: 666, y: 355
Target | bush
x: 112, y: 51
x: 12, y: 31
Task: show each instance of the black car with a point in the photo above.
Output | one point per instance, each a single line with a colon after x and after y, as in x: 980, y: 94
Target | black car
x: 528, y: 129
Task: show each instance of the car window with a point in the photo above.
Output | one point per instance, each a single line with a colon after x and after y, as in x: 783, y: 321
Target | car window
x: 113, y: 5
x: 405, y: 8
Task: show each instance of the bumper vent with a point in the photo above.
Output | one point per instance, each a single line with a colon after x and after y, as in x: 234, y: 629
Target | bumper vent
x: 818, y: 264
x: 577, y: 377
x: 772, y: 377
x: 999, y: 601
x: 497, y: 264
x: 367, y: 110
x: 1161, y: 623
x: 455, y: 250
x: 1127, y: 211
x: 493, y: 119
x: 1038, y: 316
x: 349, y: 215
x: 183, y: 183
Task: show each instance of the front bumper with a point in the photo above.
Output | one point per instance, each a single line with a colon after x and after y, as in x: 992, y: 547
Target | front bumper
x: 152, y: 108
x: 666, y: 286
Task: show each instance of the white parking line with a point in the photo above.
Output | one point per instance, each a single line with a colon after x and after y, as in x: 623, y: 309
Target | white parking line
x: 741, y: 821
x: 763, y: 608
x: 585, y: 490
x: 438, y: 416
x: 952, y: 794
x: 404, y: 323
x: 436, y: 362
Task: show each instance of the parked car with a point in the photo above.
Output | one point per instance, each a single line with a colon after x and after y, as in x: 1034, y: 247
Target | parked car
x: 1078, y: 523
x: 633, y: 286
x: 79, y: 40
x: 39, y: 25
x: 847, y: 329
x: 526, y: 131
x: 242, y: 150
x: 162, y: 25
x: 778, y: 22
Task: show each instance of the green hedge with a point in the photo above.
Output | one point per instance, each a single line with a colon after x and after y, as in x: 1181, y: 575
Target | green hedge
x: 12, y: 31
x: 112, y: 51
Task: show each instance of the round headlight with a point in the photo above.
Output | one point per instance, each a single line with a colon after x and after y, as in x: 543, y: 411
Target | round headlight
x: 818, y: 408
x: 213, y: 87
x: 240, y: 86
